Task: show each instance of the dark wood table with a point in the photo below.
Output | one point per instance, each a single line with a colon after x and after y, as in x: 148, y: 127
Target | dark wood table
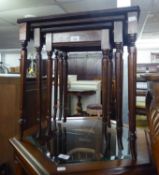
x: 91, y: 148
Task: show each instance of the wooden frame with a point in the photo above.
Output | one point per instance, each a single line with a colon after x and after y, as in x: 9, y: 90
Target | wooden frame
x: 102, y: 25
x: 85, y: 21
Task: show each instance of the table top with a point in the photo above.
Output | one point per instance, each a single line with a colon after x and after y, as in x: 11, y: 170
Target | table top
x: 83, y: 144
x: 83, y: 140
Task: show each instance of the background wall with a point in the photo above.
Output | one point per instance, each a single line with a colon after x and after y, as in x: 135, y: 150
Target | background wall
x: 144, y: 54
x: 11, y: 58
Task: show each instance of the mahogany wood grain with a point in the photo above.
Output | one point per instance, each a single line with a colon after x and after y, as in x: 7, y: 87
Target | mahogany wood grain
x: 132, y: 92
x: 10, y: 101
x: 82, y: 15
x: 61, y: 86
x: 105, y: 25
x: 119, y: 88
x: 48, y: 42
x: 106, y: 85
x: 23, y: 55
x: 33, y: 160
x: 56, y: 70
x: 39, y: 88
x: 49, y: 89
x: 65, y: 74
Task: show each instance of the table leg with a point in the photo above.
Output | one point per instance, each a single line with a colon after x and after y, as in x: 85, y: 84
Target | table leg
x: 79, y: 105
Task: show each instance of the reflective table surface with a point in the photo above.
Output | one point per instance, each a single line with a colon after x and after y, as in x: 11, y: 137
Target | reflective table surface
x: 82, y: 139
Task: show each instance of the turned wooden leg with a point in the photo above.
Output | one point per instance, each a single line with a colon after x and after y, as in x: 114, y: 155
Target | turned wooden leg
x: 106, y: 86
x: 61, y: 87
x: 119, y: 91
x: 132, y: 94
x: 38, y: 48
x: 65, y: 78
x: 56, y: 67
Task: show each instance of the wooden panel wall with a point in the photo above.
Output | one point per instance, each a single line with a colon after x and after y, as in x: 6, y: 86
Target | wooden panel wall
x: 87, y: 66
x: 9, y: 115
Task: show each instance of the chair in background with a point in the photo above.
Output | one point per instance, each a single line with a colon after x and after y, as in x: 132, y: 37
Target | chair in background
x: 83, y: 154
x: 152, y: 106
x: 94, y: 110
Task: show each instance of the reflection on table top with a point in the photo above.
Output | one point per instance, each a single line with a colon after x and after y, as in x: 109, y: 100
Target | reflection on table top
x: 83, y: 139
x: 83, y: 135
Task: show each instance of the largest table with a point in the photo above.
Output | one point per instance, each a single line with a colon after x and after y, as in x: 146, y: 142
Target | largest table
x: 36, y: 155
